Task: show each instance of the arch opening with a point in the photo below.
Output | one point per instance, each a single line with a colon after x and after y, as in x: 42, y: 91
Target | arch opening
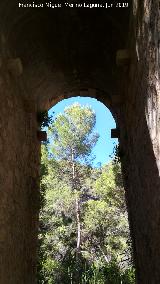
x: 93, y: 183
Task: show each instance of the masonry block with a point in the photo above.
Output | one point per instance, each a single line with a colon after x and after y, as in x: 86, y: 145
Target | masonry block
x: 115, y: 133
x: 84, y: 93
x: 42, y: 135
x: 92, y: 93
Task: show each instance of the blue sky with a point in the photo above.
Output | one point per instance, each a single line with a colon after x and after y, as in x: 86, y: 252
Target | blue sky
x: 104, y: 124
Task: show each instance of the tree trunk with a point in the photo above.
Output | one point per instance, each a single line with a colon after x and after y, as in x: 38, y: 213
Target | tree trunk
x: 74, y: 188
x: 78, y: 224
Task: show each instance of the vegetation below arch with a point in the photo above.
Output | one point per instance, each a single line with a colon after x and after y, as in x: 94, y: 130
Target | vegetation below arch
x: 84, y: 233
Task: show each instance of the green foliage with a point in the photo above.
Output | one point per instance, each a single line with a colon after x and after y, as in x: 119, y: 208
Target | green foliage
x: 118, y: 154
x: 74, y: 131
x: 105, y: 255
x: 105, y: 231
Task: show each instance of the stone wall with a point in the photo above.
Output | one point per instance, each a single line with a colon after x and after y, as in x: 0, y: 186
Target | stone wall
x: 19, y: 193
x: 140, y: 139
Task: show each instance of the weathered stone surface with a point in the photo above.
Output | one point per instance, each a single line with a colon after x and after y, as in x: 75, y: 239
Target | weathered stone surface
x: 140, y: 128
x: 18, y: 194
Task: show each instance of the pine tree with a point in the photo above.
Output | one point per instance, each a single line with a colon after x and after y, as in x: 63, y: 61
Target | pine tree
x: 73, y: 140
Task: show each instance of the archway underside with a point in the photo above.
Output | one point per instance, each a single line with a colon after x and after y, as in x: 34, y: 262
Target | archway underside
x: 65, y: 49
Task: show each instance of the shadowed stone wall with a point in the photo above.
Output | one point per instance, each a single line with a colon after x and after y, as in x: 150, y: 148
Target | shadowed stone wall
x: 140, y: 139
x: 19, y: 186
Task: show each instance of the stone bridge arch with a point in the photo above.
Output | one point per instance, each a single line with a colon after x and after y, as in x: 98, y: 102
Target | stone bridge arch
x: 47, y: 54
